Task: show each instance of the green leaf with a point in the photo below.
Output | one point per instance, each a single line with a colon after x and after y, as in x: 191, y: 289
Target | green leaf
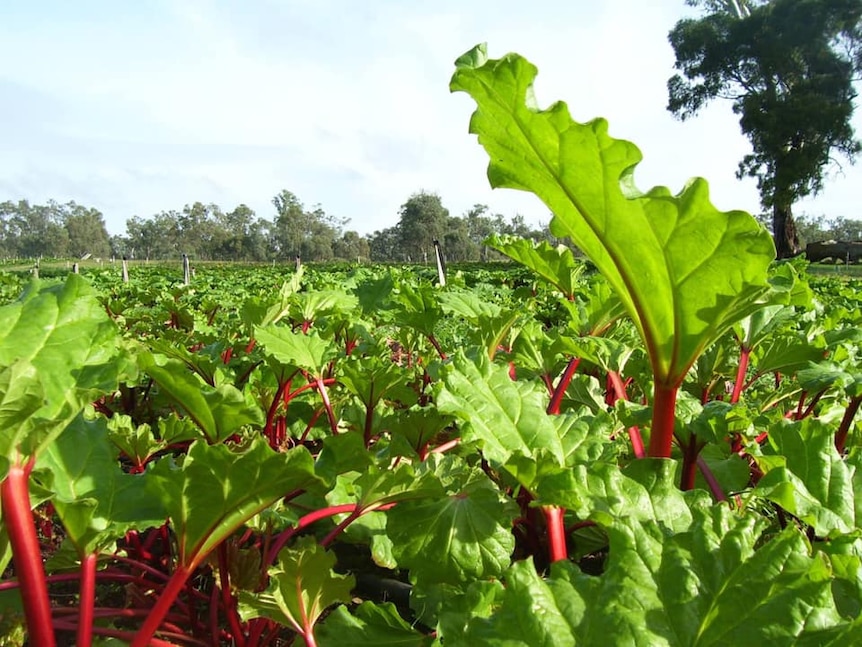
x: 309, y: 352
x: 58, y: 352
x: 219, y: 412
x: 317, y: 304
x: 264, y: 312
x: 703, y: 586
x: 507, y: 416
x: 608, y: 354
x: 646, y: 490
x: 417, y: 307
x: 418, y: 425
x: 535, y: 350
x: 684, y: 271
x: 534, y: 612
x: 490, y: 323
x: 556, y: 265
x: 811, y: 480
x: 370, y: 377
x: 785, y: 353
x: 340, y: 454
x: 137, y: 442
x: 596, y: 309
x: 369, y: 624
x: 96, y: 501
x: 376, y: 486
x: 462, y: 536
x: 218, y: 489
x: 301, y: 588
x: 373, y: 294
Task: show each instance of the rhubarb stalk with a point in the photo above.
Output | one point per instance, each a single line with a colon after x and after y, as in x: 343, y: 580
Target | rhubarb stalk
x: 87, y: 600
x: 556, y: 532
x: 562, y: 385
x: 846, y: 421
x: 27, y: 556
x: 744, y: 355
x: 663, y: 418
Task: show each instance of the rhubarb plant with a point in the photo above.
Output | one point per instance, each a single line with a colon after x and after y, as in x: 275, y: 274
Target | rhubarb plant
x: 680, y: 302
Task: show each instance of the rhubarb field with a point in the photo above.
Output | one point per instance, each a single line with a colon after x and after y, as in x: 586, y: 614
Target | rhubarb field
x: 656, y: 447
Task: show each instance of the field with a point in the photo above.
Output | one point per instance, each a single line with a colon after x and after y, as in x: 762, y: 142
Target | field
x: 351, y: 453
x: 659, y: 447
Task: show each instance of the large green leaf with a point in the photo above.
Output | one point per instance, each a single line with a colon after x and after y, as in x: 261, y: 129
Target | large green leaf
x: 684, y: 270
x: 300, y: 588
x: 462, y: 536
x: 556, y: 265
x: 58, y: 352
x: 506, y: 416
x: 219, y: 488
x: 96, y: 501
x: 490, y: 324
x: 807, y: 477
x: 704, y: 586
x: 370, y: 624
x: 309, y: 352
x: 218, y: 411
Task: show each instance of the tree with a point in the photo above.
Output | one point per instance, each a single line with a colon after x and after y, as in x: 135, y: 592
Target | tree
x: 35, y: 230
x: 86, y: 230
x: 423, y: 220
x: 297, y: 232
x: 788, y: 67
x: 351, y: 246
x: 384, y: 245
x: 456, y: 242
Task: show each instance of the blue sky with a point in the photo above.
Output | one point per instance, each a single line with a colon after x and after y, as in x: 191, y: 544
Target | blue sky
x: 144, y: 106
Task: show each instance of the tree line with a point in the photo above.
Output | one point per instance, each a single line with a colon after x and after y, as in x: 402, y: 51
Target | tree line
x: 208, y: 232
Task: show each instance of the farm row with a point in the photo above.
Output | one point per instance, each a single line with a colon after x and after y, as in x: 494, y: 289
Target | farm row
x: 360, y: 453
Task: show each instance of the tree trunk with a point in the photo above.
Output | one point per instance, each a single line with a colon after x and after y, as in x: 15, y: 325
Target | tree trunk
x: 784, y: 231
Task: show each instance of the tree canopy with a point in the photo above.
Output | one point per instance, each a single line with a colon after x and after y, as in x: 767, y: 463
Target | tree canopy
x: 208, y: 232
x: 788, y: 67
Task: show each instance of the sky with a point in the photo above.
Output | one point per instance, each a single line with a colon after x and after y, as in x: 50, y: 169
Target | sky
x: 137, y: 107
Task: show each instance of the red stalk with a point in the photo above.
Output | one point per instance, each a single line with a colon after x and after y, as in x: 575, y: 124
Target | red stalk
x: 810, y: 408
x: 445, y: 447
x: 560, y: 390
x: 163, y: 605
x: 439, y: 350
x: 214, y: 626
x: 744, y: 355
x: 369, y: 418
x: 228, y: 599
x: 691, y: 449
x: 637, y: 442
x: 710, y: 479
x: 273, y: 407
x: 798, y: 414
x: 307, y: 520
x: 122, y: 635
x: 27, y: 556
x: 258, y: 625
x: 663, y: 418
x: 846, y: 421
x: 617, y: 391
x: 87, y: 602
x: 332, y: 534
x: 556, y: 532
x: 333, y: 423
